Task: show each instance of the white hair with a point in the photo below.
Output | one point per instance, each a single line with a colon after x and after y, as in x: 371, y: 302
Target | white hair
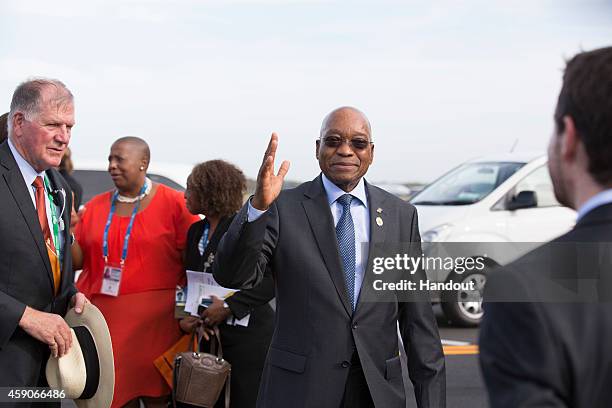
x: 27, y: 98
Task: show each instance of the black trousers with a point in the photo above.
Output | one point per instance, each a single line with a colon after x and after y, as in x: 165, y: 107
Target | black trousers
x: 356, y: 391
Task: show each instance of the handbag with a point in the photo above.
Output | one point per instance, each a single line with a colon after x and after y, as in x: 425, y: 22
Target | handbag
x: 199, y: 377
x: 165, y: 362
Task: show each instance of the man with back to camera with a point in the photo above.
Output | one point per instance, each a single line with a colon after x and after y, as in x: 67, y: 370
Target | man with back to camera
x: 36, y: 278
x: 545, y: 338
x: 330, y: 348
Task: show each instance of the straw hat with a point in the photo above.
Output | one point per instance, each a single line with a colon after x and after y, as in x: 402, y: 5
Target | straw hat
x: 87, y: 372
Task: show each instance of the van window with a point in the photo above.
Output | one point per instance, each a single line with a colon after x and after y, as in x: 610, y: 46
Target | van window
x: 540, y: 182
x: 467, y: 183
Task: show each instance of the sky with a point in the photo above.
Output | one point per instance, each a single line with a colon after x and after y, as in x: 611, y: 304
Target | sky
x: 441, y: 81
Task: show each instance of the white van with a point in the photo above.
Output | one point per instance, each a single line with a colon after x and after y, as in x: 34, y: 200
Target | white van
x: 506, y: 198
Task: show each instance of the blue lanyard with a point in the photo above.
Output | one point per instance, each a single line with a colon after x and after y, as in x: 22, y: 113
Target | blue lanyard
x: 204, y: 240
x: 126, y: 239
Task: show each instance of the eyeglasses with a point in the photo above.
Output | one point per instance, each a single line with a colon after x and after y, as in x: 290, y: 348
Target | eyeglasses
x: 356, y: 143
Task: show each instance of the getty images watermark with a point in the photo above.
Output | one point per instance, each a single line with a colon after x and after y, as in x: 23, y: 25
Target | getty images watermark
x: 411, y: 272
x: 562, y: 272
x: 405, y: 263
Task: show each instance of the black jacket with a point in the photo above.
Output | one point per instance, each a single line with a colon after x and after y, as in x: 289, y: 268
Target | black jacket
x: 545, y: 338
x: 76, y: 188
x: 316, y: 331
x: 25, y: 273
x: 245, y: 348
x: 244, y: 302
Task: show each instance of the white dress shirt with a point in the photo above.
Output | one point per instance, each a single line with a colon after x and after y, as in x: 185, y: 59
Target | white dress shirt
x: 29, y: 175
x: 599, y: 199
x: 361, y: 222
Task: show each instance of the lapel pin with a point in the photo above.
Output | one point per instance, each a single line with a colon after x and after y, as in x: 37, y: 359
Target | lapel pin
x: 379, y: 221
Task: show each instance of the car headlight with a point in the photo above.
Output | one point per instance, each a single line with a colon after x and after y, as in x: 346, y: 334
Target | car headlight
x: 437, y: 234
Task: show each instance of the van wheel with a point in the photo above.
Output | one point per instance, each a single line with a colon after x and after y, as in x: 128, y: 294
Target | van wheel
x: 464, y: 307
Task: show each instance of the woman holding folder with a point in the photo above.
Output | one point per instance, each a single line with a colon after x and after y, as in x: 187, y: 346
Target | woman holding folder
x: 215, y: 189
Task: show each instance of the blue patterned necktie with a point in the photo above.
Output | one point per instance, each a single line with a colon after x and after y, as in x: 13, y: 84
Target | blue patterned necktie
x: 345, y: 232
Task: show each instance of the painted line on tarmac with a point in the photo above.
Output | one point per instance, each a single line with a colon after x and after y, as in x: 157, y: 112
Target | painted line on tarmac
x: 460, y: 350
x: 455, y: 343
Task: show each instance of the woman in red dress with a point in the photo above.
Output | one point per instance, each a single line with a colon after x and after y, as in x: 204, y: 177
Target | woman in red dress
x: 129, y: 243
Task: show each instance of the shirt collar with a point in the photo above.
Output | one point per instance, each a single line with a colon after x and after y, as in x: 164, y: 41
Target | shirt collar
x: 334, y: 192
x: 599, y: 199
x: 27, y: 171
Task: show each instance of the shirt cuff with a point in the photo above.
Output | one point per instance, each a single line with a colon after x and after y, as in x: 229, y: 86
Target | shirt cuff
x: 253, y: 213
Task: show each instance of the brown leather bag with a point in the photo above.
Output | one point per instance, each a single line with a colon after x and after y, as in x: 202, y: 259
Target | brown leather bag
x: 165, y: 362
x: 199, y: 377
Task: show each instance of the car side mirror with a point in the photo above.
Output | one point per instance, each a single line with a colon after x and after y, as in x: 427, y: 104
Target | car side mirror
x: 524, y: 199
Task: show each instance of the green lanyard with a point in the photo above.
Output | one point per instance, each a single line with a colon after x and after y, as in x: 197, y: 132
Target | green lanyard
x: 54, y: 219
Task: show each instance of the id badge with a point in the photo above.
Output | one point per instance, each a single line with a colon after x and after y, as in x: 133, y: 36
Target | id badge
x: 111, y: 280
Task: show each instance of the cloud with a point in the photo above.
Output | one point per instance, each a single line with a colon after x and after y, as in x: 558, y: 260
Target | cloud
x: 62, y: 9
x: 15, y: 70
x: 204, y: 79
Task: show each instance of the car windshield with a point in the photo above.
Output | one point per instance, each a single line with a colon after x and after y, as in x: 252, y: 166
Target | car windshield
x: 466, y: 184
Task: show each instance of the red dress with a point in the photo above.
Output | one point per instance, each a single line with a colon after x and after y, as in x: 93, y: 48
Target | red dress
x: 141, y: 318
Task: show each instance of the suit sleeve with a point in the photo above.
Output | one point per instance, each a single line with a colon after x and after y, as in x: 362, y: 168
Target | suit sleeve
x: 11, y: 311
x: 419, y: 331
x: 246, y: 249
x: 72, y: 290
x: 243, y: 302
x: 518, y: 350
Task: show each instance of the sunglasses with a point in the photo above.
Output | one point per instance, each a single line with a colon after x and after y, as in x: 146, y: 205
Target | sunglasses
x: 355, y: 144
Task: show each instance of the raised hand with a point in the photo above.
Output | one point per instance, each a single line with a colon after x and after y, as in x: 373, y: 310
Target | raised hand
x: 268, y: 184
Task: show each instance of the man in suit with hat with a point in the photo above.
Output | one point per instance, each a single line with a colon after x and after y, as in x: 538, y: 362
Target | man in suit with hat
x: 36, y: 277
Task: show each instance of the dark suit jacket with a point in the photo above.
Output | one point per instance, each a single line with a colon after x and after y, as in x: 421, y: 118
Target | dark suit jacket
x: 76, y: 188
x: 244, y: 347
x: 244, y: 302
x: 546, y: 336
x: 316, y: 332
x: 25, y: 273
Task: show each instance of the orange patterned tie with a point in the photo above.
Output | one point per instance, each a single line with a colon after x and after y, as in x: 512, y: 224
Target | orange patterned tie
x: 44, y: 225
